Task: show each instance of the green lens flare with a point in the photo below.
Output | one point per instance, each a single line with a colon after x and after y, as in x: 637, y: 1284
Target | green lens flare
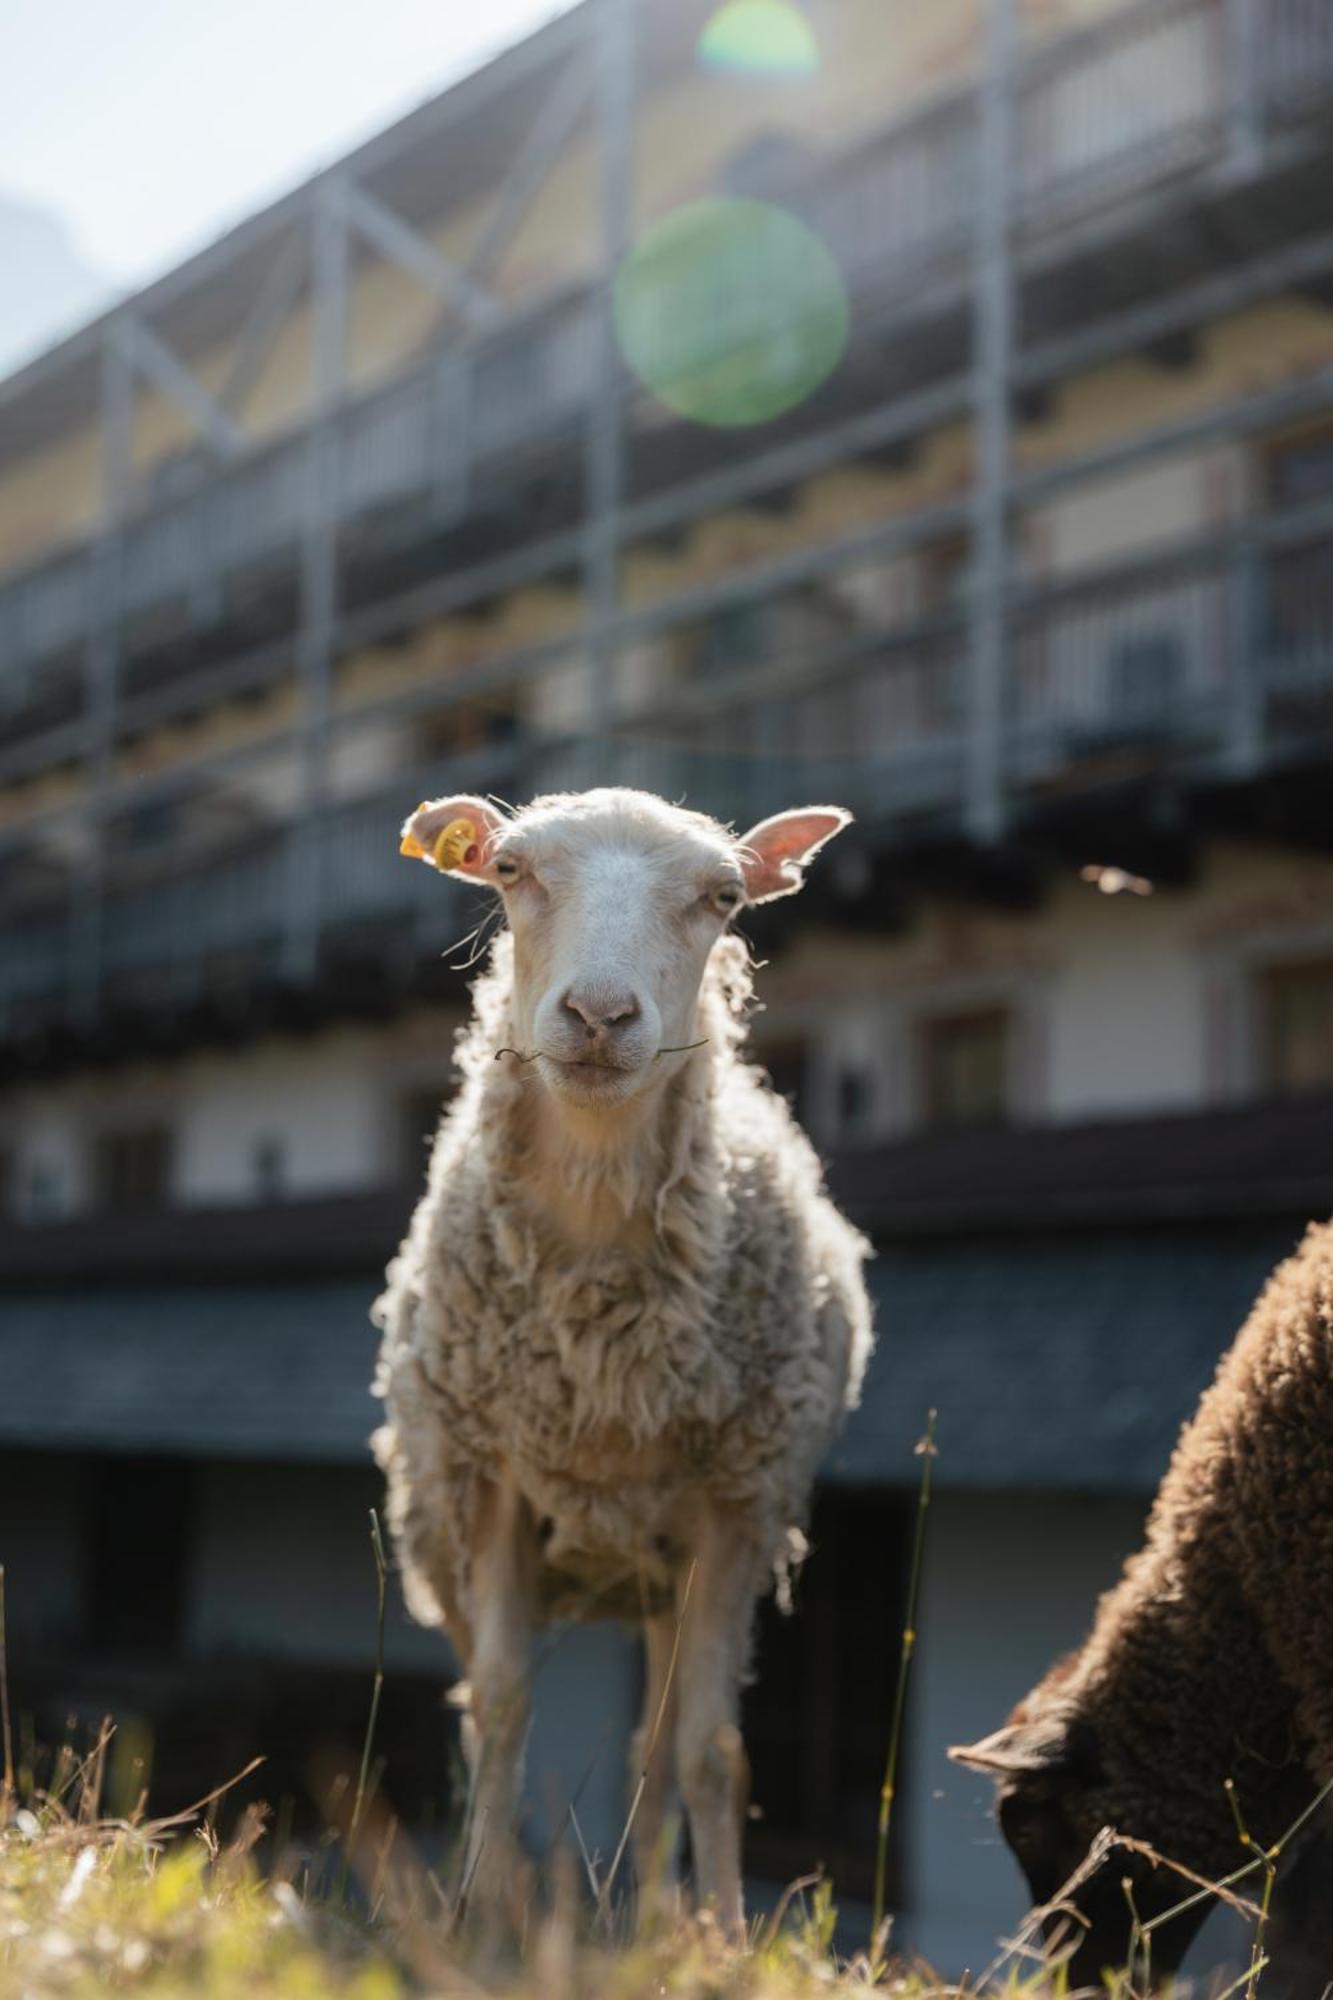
x: 731, y: 312
x: 768, y: 38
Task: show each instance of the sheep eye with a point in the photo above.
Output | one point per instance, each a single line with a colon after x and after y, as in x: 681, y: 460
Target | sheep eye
x: 726, y: 898
x: 507, y: 869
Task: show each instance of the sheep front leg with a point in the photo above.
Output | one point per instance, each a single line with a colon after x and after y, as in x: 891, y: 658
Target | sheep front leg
x: 710, y: 1758
x: 504, y: 1594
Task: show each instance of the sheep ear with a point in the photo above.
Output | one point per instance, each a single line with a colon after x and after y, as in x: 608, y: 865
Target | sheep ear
x: 453, y: 835
x: 775, y: 853
x: 1044, y: 1746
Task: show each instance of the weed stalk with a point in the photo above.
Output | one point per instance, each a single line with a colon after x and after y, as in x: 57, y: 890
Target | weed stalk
x: 7, y: 1791
x: 363, y: 1775
x: 888, y: 1789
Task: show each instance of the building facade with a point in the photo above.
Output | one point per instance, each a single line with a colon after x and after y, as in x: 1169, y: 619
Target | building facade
x: 364, y: 502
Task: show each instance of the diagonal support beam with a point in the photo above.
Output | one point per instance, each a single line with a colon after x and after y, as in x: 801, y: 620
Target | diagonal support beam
x: 559, y: 116
x: 404, y: 246
x: 155, y: 362
x: 274, y: 302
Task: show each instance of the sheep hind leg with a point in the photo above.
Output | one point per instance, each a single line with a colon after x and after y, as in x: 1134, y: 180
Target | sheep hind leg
x: 652, y: 1772
x: 504, y: 1572
x: 714, y: 1774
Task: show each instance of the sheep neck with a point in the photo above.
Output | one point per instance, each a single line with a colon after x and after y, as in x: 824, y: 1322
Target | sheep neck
x: 597, y: 1174
x: 609, y: 1179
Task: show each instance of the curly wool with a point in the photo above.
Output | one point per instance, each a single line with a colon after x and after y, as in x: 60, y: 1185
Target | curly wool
x: 1213, y: 1656
x: 715, y: 1351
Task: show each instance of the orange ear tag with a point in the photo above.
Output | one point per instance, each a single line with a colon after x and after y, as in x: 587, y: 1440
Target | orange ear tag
x: 456, y: 845
x: 409, y: 845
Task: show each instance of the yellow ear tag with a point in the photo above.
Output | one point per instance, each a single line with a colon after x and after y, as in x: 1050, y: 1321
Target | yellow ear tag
x: 456, y: 845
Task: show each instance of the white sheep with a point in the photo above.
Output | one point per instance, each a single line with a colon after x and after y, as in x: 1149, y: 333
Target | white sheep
x: 626, y: 1320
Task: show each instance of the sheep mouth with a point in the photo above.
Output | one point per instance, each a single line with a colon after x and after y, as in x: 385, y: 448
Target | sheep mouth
x: 590, y: 1077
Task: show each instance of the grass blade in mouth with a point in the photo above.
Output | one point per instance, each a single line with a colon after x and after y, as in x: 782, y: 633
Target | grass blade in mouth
x: 682, y: 1049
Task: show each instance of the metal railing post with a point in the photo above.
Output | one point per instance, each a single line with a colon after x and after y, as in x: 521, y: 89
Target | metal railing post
x: 319, y: 579
x: 614, y: 45
x: 992, y: 375
x: 102, y: 672
x: 1245, y: 645
x: 1244, y: 86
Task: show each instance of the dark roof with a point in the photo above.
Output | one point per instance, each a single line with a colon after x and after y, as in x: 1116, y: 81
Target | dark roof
x: 1268, y: 1158
x: 1060, y: 1362
x: 1064, y: 1362
x: 274, y: 1372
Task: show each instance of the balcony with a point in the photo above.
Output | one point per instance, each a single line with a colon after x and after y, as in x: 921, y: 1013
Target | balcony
x: 1145, y: 102
x: 1207, y: 668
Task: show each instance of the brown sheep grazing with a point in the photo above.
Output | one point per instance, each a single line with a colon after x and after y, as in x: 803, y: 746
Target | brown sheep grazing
x: 1211, y: 1660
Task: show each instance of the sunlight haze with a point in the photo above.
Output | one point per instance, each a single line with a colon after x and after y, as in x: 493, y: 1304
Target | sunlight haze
x: 145, y: 129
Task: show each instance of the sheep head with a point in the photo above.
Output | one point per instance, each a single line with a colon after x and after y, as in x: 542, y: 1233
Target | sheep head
x: 615, y: 900
x: 1057, y: 1788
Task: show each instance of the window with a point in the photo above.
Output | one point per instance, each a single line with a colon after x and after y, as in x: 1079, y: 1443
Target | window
x: 732, y: 641
x: 1299, y: 1020
x: 945, y: 570
x: 422, y: 1110
x: 269, y: 1159
x: 43, y: 1192
x: 1300, y: 575
x: 136, y: 1523
x: 787, y: 1063
x: 965, y: 1068
x: 132, y: 1168
x: 149, y: 826
x: 817, y: 1715
x: 855, y: 1096
x: 467, y: 727
x: 1300, y: 469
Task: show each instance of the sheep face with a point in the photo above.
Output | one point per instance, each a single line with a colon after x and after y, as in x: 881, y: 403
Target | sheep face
x: 1056, y: 1791
x: 615, y: 900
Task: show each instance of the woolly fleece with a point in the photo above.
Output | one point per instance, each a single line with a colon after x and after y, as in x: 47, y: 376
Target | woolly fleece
x: 616, y: 1382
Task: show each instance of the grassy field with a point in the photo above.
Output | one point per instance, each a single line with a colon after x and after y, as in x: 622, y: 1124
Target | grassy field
x: 94, y: 1908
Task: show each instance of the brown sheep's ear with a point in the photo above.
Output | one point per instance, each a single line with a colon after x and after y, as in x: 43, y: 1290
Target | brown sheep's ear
x: 453, y: 835
x: 1021, y: 1749
x: 775, y: 853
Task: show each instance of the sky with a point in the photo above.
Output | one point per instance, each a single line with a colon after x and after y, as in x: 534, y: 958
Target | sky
x: 147, y: 127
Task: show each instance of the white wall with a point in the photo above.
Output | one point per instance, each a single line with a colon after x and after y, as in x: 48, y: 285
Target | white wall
x: 324, y: 1100
x: 1009, y: 1584
x: 333, y: 1103
x: 1123, y: 1006
x: 1127, y: 1023
x: 1121, y: 1003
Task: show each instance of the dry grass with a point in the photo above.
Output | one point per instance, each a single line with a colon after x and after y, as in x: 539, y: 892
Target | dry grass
x: 115, y: 1908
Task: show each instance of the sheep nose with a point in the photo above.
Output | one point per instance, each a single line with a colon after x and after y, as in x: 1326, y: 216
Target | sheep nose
x: 601, y: 1011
